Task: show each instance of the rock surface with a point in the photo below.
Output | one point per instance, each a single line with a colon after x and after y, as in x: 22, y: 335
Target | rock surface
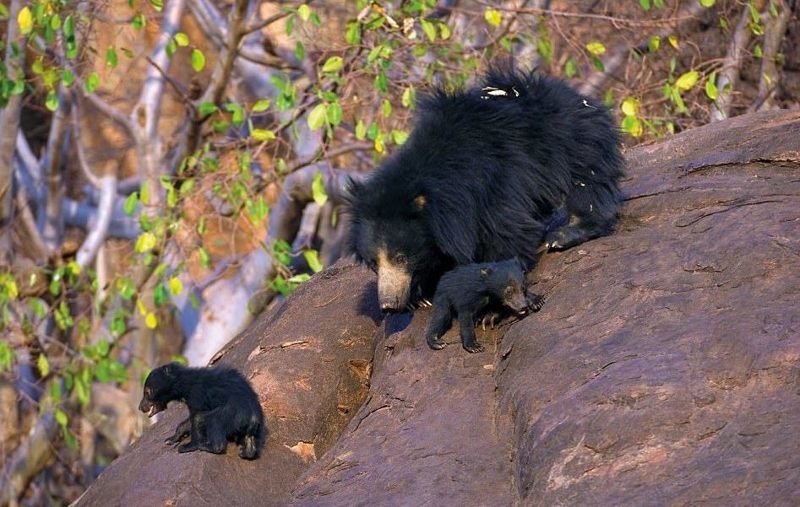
x: 663, y: 369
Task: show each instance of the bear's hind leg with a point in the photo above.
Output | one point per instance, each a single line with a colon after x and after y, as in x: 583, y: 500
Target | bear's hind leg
x: 592, y: 210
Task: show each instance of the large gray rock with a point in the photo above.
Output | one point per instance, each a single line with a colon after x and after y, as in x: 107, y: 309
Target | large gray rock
x: 663, y: 369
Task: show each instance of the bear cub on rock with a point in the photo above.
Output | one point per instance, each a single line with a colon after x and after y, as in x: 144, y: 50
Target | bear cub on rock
x: 468, y: 291
x: 222, y: 407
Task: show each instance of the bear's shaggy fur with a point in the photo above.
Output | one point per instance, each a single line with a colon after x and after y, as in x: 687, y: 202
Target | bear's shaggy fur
x: 480, y: 179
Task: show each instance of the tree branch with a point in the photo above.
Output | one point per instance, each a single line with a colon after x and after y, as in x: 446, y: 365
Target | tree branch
x: 729, y: 75
x: 9, y: 126
x: 770, y: 77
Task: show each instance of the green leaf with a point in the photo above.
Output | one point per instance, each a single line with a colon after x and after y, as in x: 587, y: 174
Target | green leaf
x: 361, y: 130
x: 409, y: 97
x: 299, y: 50
x: 7, y: 356
x: 632, y: 125
x: 91, y: 82
x: 69, y: 26
x: 138, y: 21
x: 316, y: 118
x: 387, y: 108
x: 111, y: 57
x: 130, y: 203
x: 304, y: 11
x: 645, y: 4
x: 687, y: 80
x: 181, y: 39
x: 312, y: 259
x: 145, y: 242
x: 757, y: 51
x: 103, y: 348
x: 352, y: 34
x: 333, y: 64
x: 493, y: 17
x: 61, y: 417
x: 570, y: 67
x: 399, y: 137
x: 673, y: 41
x: 205, y: 260
x: 67, y: 77
x: 51, y: 102
x: 25, y: 20
x: 707, y: 3
x: 429, y: 29
x: 3, y: 11
x: 711, y: 86
x: 653, y: 43
x: 206, y: 108
x: 198, y: 60
x: 444, y: 31
x: 318, y: 189
x: 158, y: 5
x: 43, y: 365
x: 596, y: 48
x: 334, y: 114
x: 262, y: 134
x: 630, y: 107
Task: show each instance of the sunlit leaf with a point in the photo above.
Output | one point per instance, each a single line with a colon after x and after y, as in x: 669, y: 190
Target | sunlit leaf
x: 198, y: 60
x: 262, y: 134
x: 312, y: 259
x: 596, y: 48
x: 687, y: 80
x: 25, y: 20
x: 316, y: 118
x: 43, y: 365
x: 181, y: 39
x: 630, y: 107
x: 333, y: 64
x: 493, y: 17
x: 304, y: 11
x: 318, y: 189
x: 151, y: 321
x: 145, y: 242
x: 711, y: 86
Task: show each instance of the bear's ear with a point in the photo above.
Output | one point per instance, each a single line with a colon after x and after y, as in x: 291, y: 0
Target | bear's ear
x: 486, y: 272
x: 352, y: 189
x: 171, y: 369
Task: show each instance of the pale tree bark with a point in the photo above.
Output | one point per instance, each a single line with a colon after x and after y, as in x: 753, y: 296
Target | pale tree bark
x: 9, y: 125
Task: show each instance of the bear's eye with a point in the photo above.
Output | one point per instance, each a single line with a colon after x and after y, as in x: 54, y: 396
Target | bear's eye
x: 400, y: 259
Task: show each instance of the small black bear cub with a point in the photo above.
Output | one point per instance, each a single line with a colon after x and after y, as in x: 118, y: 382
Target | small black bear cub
x: 469, y: 290
x: 222, y: 407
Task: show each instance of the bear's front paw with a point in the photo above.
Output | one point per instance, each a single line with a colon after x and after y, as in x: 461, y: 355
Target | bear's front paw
x: 473, y: 347
x: 436, y: 343
x: 535, y: 301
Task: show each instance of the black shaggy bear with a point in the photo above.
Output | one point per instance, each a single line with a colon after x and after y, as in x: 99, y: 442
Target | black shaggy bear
x: 222, y: 407
x: 480, y: 179
x: 469, y: 290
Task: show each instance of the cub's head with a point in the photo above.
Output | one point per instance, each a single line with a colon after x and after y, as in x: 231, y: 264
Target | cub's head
x: 507, y: 282
x: 390, y: 235
x: 159, y: 389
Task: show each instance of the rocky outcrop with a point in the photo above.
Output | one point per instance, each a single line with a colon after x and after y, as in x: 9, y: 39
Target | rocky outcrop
x: 663, y: 369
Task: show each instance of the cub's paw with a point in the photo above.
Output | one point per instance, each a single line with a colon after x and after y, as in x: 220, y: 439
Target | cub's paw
x: 189, y: 447
x: 535, y: 301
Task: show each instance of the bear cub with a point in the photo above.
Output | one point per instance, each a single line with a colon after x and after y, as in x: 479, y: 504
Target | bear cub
x: 469, y: 291
x: 222, y: 407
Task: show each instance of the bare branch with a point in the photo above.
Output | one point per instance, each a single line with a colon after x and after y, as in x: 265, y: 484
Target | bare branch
x: 146, y: 113
x: 729, y: 75
x: 52, y: 224
x: 30, y: 456
x: 82, y: 162
x: 97, y: 234
x: 9, y: 125
x: 222, y: 71
x: 79, y: 214
x: 770, y: 77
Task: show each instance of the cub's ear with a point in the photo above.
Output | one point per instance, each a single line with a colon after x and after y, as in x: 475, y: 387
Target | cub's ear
x: 353, y: 189
x: 486, y: 272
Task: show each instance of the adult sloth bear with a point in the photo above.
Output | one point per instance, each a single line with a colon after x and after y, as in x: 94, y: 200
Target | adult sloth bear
x: 480, y: 179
